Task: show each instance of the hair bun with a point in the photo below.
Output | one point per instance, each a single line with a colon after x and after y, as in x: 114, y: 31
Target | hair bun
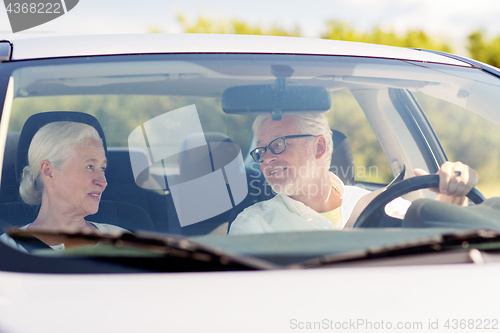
x: 27, y: 189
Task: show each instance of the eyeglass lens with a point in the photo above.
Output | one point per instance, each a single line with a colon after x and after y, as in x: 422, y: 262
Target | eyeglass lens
x: 277, y: 146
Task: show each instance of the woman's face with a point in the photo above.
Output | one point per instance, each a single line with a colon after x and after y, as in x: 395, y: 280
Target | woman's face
x: 78, y: 185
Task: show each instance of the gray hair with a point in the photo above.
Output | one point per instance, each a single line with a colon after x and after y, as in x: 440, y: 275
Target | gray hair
x: 307, y: 123
x: 54, y: 142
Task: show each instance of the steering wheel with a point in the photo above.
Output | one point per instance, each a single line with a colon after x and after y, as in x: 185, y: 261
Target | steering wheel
x: 371, y: 215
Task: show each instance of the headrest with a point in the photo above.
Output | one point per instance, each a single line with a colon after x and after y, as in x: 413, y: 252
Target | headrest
x: 119, y: 168
x: 342, y: 163
x: 37, y: 121
x: 196, y: 161
x: 9, y: 190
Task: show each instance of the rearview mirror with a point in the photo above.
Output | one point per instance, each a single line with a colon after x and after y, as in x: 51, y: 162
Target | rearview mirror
x: 261, y: 99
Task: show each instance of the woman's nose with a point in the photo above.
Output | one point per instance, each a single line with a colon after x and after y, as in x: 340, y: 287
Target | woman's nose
x: 101, y: 179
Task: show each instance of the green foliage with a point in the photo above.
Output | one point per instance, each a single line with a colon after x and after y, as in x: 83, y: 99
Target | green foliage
x: 120, y: 114
x: 206, y: 25
x: 485, y: 51
x: 413, y: 38
x: 347, y: 117
x: 461, y: 132
x: 155, y: 30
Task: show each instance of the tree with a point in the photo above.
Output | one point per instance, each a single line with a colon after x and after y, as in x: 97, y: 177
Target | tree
x: 485, y: 51
x: 206, y: 25
x: 339, y: 30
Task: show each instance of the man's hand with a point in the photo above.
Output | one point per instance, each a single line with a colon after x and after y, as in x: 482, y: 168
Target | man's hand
x: 455, y: 181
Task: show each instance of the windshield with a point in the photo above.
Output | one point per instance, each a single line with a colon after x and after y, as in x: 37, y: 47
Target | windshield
x: 177, y: 134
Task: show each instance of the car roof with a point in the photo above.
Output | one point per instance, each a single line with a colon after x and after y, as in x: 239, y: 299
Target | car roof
x: 29, y: 47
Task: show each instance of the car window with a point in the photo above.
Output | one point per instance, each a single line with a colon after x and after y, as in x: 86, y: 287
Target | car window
x: 475, y: 131
x: 119, y: 115
x: 179, y: 150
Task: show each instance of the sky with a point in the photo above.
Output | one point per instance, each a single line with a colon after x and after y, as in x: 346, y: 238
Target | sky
x: 448, y: 20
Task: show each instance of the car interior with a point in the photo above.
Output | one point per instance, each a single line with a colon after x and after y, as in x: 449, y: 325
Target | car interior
x: 129, y: 92
x: 125, y: 202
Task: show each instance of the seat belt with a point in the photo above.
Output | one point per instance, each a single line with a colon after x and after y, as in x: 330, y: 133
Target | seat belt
x: 360, y: 206
x: 31, y: 243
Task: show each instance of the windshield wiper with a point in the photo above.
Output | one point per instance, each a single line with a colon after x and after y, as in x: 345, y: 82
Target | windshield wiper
x: 145, y: 250
x: 459, y: 247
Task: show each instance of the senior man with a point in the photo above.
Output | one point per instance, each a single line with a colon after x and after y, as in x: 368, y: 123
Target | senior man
x: 294, y: 155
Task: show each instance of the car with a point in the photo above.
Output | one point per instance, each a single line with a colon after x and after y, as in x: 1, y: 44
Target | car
x: 175, y: 114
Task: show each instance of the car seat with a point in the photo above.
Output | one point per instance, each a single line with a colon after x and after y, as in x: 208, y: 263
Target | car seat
x: 342, y: 163
x: 143, y: 191
x: 9, y: 188
x: 195, y: 164
x: 125, y: 215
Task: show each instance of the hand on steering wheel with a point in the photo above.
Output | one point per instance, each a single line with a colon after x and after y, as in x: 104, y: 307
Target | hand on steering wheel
x: 371, y: 215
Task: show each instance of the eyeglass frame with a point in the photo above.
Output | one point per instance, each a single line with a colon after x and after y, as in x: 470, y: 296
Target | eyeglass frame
x: 272, y: 150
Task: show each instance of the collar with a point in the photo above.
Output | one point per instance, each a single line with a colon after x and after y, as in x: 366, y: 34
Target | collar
x: 337, y: 182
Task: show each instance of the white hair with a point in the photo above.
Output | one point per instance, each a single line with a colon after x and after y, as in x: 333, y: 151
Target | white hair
x: 307, y: 123
x: 54, y: 142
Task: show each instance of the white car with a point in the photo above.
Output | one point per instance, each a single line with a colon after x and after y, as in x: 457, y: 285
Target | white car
x: 175, y: 113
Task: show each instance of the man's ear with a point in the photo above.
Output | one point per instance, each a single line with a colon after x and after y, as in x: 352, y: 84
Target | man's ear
x: 320, y: 144
x: 47, y: 171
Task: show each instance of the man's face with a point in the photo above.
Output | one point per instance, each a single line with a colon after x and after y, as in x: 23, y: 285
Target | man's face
x: 288, y: 171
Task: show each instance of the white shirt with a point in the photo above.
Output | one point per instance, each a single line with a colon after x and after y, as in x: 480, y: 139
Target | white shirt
x: 282, y: 213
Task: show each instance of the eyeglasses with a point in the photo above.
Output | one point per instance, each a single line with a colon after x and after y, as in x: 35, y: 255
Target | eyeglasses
x: 277, y: 146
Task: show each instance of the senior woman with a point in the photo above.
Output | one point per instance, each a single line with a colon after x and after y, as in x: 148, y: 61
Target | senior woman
x: 65, y: 174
